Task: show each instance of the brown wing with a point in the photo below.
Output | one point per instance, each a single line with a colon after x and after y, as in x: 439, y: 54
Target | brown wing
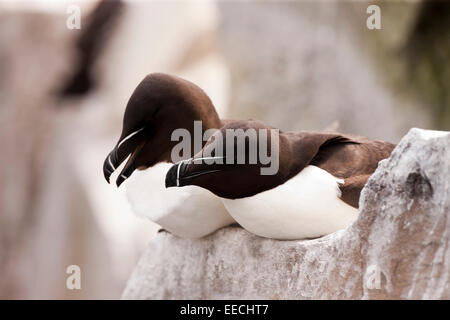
x: 354, y: 162
x: 351, y: 156
x: 351, y: 189
x: 348, y: 157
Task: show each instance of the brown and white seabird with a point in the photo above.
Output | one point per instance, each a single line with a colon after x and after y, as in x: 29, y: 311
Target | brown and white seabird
x: 159, y: 105
x: 314, y: 192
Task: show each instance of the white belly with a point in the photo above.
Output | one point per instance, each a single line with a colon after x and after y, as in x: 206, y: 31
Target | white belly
x: 306, y: 206
x: 188, y: 212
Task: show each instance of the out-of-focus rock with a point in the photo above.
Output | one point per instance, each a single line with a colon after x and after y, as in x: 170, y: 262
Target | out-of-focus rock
x: 46, y: 220
x: 28, y: 41
x: 397, y: 248
x: 305, y: 65
x: 56, y: 209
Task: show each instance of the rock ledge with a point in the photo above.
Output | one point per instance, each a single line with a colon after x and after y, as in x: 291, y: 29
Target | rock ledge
x: 398, y: 247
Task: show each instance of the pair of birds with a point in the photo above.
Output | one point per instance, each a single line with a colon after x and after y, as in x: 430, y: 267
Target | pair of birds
x: 314, y: 192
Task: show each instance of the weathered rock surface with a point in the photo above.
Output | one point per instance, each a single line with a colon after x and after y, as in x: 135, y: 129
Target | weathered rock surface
x: 398, y: 247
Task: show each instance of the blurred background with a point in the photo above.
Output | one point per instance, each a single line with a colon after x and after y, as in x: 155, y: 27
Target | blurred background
x: 296, y: 65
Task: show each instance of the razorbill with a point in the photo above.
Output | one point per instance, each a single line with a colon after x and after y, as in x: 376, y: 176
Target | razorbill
x: 314, y: 192
x: 160, y: 104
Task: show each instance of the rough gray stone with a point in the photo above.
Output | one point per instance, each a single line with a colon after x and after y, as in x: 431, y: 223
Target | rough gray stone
x: 397, y: 248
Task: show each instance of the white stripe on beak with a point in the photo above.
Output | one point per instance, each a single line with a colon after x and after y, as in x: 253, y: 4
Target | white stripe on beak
x: 110, y: 163
x: 192, y: 159
x: 208, y: 158
x: 178, y: 174
x: 129, y: 136
x: 178, y: 170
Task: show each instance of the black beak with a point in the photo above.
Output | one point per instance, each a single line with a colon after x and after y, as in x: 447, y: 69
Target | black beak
x: 128, y: 146
x: 174, y: 176
x: 182, y: 173
x: 112, y: 162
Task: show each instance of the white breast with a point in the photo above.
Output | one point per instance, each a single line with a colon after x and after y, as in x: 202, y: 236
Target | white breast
x: 188, y: 212
x: 306, y: 206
